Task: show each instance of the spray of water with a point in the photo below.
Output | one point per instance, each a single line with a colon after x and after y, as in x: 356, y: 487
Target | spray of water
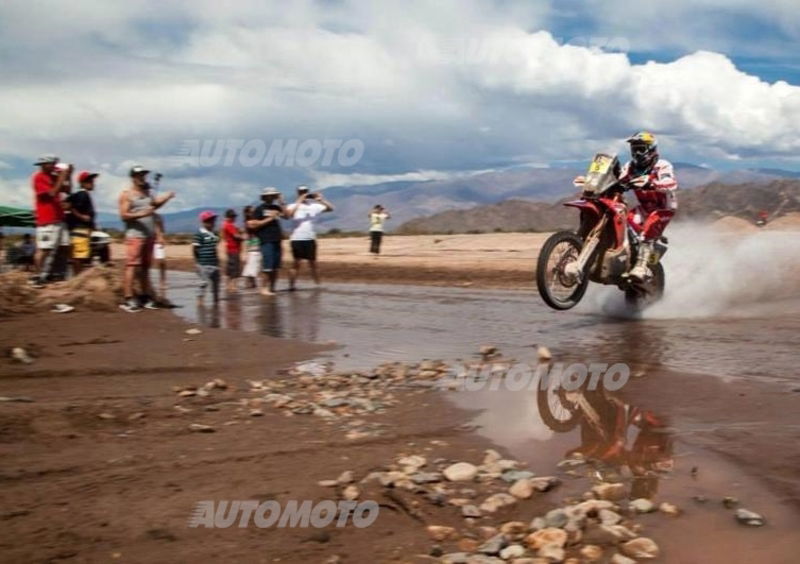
x: 717, y: 274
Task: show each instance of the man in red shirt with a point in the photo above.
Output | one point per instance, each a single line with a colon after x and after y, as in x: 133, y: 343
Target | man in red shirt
x: 52, y: 234
x: 233, y: 237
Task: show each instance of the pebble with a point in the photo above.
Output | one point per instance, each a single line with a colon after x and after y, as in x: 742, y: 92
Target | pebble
x: 494, y: 545
x: 730, y: 502
x: 552, y: 553
x: 496, y: 501
x: 543, y: 353
x: 200, y: 428
x: 346, y: 477
x: 351, y: 493
x: 556, y: 518
x: 546, y: 537
x: 468, y: 545
x: 749, y: 518
x: 642, y: 505
x: 470, y: 511
x: 545, y: 483
x: 328, y: 483
x: 669, y: 509
x: 426, y: 477
x: 455, y: 558
x: 592, y: 552
x: 521, y: 489
x: 461, y: 472
x: 193, y: 331
x: 537, y: 524
x: 512, y: 476
x: 609, y: 491
x: 620, y: 559
x: 18, y: 354
x: 640, y: 548
x: 441, y: 533
x: 512, y: 551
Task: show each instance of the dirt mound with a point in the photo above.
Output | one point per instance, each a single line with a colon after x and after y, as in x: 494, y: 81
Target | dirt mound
x: 789, y: 222
x: 734, y: 224
x: 98, y: 288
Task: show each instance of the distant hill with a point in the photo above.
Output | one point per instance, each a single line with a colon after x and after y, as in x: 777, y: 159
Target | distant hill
x: 711, y: 201
x: 409, y: 200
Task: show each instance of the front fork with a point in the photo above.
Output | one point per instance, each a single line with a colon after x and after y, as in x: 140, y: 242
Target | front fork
x: 576, y: 268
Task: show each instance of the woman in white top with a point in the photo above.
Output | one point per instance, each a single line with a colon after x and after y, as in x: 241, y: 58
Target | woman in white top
x: 377, y: 217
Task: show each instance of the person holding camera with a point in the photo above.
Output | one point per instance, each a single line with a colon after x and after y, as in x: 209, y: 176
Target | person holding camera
x: 265, y: 223
x: 377, y: 217
x: 52, y: 234
x: 137, y: 208
x: 303, y: 214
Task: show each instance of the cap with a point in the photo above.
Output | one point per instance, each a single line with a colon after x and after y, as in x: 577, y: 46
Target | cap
x: 270, y: 191
x: 302, y: 188
x: 46, y: 159
x: 138, y: 169
x: 86, y: 175
x: 206, y: 215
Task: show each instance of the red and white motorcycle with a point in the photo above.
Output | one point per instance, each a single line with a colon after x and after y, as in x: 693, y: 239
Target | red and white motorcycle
x: 603, y: 249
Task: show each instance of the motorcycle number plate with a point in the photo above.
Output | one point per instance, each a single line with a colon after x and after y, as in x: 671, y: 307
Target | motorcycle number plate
x: 600, y: 165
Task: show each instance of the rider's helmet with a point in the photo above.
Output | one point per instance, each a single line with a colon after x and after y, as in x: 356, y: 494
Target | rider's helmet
x: 644, y: 149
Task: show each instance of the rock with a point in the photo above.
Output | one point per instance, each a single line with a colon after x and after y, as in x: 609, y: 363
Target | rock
x: 642, y: 505
x: 426, y: 477
x: 441, y: 533
x: 461, y: 472
x: 511, y: 476
x: 494, y: 545
x: 468, y: 545
x: 512, y: 551
x: 620, y: 559
x: 545, y: 483
x: 496, y: 501
x: 609, y: 491
x: 200, y: 428
x: 640, y: 548
x: 537, y: 524
x: 514, y: 530
x: 455, y: 558
x: 700, y: 499
x: 187, y: 393
x: 487, y: 350
x: 552, y: 553
x: 346, y: 477
x: 543, y: 353
x: 730, y: 502
x: 436, y: 551
x: 556, y: 518
x: 483, y: 559
x: 256, y: 413
x: 193, y: 331
x: 669, y: 509
x: 470, y: 511
x: 414, y: 461
x: 491, y: 456
x: 20, y: 355
x: 106, y: 416
x: 487, y: 532
x: 16, y: 399
x: 136, y: 416
x: 546, y: 537
x: 351, y: 493
x: 592, y: 553
x: 328, y: 483
x: 521, y: 489
x: 750, y: 518
x: 608, y: 517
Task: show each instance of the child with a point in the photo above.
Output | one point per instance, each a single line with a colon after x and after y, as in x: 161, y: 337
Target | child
x: 233, y: 246
x: 205, y: 255
x: 252, y: 265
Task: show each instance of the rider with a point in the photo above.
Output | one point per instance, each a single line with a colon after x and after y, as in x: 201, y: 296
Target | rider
x: 653, y: 181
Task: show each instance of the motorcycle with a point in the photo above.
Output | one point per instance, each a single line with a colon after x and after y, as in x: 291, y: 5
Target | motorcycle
x: 603, y: 249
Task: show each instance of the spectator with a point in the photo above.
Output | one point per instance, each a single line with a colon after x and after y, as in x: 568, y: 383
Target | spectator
x: 233, y: 246
x: 377, y: 217
x: 205, y: 256
x: 266, y: 224
x: 26, y: 253
x: 52, y: 235
x: 80, y: 219
x: 160, y: 256
x: 304, y: 237
x: 252, y: 265
x: 137, y: 208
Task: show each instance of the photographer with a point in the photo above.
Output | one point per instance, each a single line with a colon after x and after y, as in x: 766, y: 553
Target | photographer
x: 52, y: 235
x: 377, y: 217
x: 137, y: 208
x: 304, y: 237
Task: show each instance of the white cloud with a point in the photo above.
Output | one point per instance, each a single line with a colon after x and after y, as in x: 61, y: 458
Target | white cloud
x: 431, y: 89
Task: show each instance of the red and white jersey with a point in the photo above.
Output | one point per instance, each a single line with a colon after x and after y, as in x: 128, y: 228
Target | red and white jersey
x: 659, y: 194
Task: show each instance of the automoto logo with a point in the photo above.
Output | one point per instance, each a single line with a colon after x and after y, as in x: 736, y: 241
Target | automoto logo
x: 224, y: 514
x: 279, y: 152
x: 520, y: 376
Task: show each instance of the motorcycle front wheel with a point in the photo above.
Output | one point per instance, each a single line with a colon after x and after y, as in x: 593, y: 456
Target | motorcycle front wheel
x: 558, y: 290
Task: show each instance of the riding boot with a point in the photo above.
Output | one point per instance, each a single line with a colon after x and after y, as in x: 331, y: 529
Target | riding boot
x: 641, y: 272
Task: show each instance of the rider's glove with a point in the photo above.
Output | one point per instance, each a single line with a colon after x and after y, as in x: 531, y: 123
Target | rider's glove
x: 640, y: 182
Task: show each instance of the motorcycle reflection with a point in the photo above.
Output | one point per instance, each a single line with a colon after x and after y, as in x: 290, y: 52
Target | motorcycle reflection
x: 614, y: 435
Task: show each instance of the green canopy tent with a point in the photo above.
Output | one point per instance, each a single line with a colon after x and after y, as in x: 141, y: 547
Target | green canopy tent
x: 16, y: 217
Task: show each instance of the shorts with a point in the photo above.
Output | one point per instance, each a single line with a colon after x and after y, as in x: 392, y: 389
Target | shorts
x: 271, y: 256
x: 304, y: 250
x: 139, y: 251
x: 233, y: 268
x: 48, y: 237
x: 159, y: 251
x: 81, y: 243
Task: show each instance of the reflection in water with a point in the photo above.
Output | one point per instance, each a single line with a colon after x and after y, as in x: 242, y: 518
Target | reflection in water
x: 208, y: 315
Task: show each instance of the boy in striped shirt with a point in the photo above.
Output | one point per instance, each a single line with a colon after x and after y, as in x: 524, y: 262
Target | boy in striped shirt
x: 205, y: 256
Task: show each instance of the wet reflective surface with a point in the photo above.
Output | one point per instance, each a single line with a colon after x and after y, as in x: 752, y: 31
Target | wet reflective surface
x: 374, y: 323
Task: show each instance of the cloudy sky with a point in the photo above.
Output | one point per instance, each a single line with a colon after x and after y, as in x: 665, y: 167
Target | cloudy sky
x: 426, y: 89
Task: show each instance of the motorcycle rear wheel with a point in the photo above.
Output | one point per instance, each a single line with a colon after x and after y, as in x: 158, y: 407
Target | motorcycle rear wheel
x: 557, y: 290
x: 639, y: 299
